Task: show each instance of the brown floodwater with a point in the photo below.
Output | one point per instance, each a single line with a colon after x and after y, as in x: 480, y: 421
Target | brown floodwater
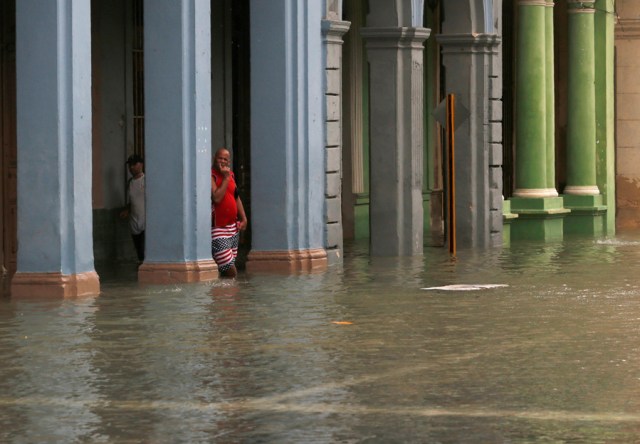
x: 361, y: 353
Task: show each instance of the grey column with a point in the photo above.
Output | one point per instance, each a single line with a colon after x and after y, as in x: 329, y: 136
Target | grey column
x: 468, y: 59
x: 397, y: 143
x: 55, y: 233
x: 177, y: 36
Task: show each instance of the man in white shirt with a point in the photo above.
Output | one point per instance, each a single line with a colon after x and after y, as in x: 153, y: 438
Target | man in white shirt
x: 135, y: 209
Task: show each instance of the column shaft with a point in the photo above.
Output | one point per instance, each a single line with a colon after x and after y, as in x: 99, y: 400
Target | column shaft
x: 531, y: 104
x: 605, y: 20
x: 550, y: 99
x: 333, y: 31
x: 287, y: 136
x: 581, y: 194
x: 177, y: 61
x: 467, y: 59
x: 581, y: 124
x: 55, y: 233
x: 396, y: 103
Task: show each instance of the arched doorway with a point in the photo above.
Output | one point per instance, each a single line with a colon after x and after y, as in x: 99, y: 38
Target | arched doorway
x: 357, y: 130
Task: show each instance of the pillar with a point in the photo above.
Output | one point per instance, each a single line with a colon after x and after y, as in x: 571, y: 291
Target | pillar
x: 536, y: 202
x: 287, y: 137
x: 177, y: 61
x: 468, y: 60
x: 396, y: 151
x: 55, y: 233
x: 333, y: 30
x: 581, y: 194
x: 550, y: 100
x: 605, y: 110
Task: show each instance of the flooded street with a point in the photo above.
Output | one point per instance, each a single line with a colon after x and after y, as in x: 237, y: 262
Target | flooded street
x: 361, y: 353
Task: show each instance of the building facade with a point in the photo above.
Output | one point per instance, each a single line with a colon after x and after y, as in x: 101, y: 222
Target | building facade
x: 332, y: 111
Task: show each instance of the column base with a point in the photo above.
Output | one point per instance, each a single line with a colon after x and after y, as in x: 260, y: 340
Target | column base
x: 587, y: 214
x: 507, y: 219
x: 177, y: 273
x: 292, y: 261
x: 54, y: 285
x: 539, y: 219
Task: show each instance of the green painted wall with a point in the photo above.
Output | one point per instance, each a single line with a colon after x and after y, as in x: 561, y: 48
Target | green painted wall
x: 605, y: 108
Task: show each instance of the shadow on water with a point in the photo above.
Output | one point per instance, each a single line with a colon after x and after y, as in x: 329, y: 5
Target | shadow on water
x: 358, y: 353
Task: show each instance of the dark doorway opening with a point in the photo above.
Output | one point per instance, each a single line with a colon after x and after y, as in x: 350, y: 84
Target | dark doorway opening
x: 9, y: 204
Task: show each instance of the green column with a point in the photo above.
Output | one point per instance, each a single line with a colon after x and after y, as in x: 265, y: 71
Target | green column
x: 536, y: 203
x: 550, y: 98
x: 581, y: 124
x: 581, y: 194
x: 531, y: 108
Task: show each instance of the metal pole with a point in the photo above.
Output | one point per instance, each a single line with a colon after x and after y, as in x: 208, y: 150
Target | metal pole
x: 452, y: 172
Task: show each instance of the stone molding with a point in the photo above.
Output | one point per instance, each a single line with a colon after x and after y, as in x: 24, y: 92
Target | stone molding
x: 533, y: 3
x: 628, y: 29
x: 395, y: 37
x: 469, y: 43
x: 333, y: 30
x: 287, y: 261
x: 582, y: 190
x: 54, y: 285
x: 581, y: 11
x: 580, y: 7
x: 535, y: 192
x: 175, y: 273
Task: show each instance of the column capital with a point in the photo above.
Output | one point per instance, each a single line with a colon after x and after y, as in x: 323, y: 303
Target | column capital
x: 395, y: 37
x: 333, y: 30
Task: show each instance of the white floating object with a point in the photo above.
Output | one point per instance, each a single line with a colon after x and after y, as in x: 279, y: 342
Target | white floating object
x: 466, y: 287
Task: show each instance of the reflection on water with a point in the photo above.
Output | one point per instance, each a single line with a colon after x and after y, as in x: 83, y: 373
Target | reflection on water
x: 360, y: 353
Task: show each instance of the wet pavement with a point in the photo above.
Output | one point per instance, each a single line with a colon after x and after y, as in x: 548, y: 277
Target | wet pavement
x: 361, y: 353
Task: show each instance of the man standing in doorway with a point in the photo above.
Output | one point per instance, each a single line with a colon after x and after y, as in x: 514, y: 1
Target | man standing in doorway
x: 227, y: 214
x: 135, y: 209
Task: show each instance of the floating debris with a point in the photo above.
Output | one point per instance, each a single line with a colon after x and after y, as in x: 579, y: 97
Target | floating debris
x: 342, y: 322
x: 466, y: 287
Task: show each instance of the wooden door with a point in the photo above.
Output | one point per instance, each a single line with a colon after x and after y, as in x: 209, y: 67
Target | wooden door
x: 8, y: 134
